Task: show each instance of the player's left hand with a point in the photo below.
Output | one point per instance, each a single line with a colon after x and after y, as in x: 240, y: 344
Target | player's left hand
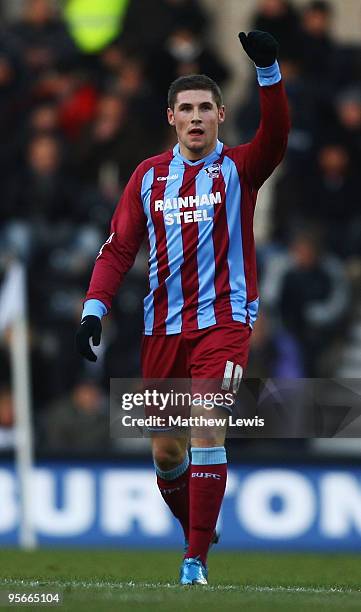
x: 261, y: 47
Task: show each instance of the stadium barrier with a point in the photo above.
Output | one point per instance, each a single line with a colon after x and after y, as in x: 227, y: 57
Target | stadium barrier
x: 111, y: 505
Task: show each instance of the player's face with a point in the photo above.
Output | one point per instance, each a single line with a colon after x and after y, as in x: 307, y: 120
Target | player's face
x: 196, y: 118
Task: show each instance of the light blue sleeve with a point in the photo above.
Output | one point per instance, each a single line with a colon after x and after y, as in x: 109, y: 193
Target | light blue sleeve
x: 95, y: 308
x: 269, y: 75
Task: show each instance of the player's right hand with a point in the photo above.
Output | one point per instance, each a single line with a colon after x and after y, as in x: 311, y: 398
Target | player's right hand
x: 260, y: 46
x: 90, y: 327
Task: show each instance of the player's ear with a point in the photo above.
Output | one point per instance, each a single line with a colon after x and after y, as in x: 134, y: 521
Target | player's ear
x: 170, y: 115
x: 221, y: 114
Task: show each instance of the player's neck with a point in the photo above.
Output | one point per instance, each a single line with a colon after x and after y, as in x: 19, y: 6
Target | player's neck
x: 194, y: 156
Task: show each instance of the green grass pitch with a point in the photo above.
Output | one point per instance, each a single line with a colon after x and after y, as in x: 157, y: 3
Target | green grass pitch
x: 144, y: 580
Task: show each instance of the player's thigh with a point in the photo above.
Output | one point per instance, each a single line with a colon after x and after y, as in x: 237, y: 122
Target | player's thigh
x: 165, y: 373
x: 220, y: 352
x: 164, y: 357
x: 219, y: 356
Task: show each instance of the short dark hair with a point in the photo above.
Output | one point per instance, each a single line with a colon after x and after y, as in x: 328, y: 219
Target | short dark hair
x: 191, y: 82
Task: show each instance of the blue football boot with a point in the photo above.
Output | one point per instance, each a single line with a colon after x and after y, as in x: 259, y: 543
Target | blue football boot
x: 192, y: 571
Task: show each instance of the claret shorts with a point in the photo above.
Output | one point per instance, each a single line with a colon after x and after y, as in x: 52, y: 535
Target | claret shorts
x: 212, y: 360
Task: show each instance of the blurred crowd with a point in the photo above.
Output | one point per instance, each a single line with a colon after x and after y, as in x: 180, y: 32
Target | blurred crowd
x: 82, y: 99
x: 310, y: 267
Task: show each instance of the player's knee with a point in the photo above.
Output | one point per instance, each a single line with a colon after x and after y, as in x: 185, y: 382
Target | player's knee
x: 209, y: 442
x: 168, y: 456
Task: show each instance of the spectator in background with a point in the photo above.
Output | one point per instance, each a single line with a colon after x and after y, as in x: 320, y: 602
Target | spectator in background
x: 280, y: 19
x: 183, y: 52
x: 111, y: 146
x: 71, y: 90
x: 288, y: 206
x: 332, y: 198
x: 303, y: 114
x: 112, y: 59
x: 147, y: 24
x: 348, y: 63
x: 43, y: 194
x: 77, y: 423
x: 273, y: 355
x: 327, y: 197
x: 42, y: 37
x: 125, y: 73
x: 348, y: 126
x: 308, y: 290
x: 318, y: 50
x: 44, y: 119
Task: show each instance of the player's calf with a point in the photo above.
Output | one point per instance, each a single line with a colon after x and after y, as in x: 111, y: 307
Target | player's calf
x: 171, y: 462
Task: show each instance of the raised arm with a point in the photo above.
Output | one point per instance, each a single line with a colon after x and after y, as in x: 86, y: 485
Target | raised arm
x: 261, y: 156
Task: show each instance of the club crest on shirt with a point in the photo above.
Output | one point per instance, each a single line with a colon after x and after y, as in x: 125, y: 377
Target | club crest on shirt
x: 213, y: 171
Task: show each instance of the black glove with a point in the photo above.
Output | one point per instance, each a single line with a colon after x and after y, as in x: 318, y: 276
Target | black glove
x: 90, y: 327
x: 261, y: 47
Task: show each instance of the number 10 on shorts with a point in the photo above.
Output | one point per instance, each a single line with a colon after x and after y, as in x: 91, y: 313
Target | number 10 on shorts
x: 232, y: 376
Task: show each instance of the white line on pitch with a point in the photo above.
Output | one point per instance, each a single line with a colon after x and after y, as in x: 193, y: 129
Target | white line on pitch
x: 159, y: 585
